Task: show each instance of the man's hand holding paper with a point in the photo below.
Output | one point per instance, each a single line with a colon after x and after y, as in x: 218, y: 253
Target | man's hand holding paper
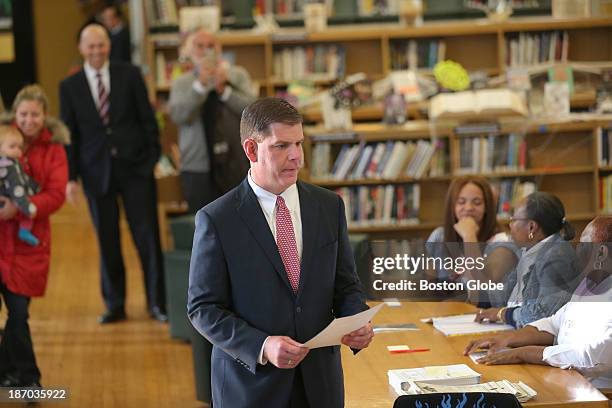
x: 354, y: 331
x: 360, y: 338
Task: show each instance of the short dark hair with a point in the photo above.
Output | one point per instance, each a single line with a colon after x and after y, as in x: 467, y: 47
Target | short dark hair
x: 261, y: 114
x: 547, y: 210
x: 112, y: 4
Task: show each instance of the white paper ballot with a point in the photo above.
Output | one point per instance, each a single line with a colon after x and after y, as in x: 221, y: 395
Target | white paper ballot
x: 332, y: 334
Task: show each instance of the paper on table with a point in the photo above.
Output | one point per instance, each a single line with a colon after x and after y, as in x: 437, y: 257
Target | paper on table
x: 332, y: 334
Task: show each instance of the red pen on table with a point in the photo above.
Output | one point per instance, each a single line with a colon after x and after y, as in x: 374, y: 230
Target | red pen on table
x: 409, y: 351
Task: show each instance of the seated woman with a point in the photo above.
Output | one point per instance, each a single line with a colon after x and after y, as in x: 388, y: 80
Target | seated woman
x: 579, y: 335
x: 546, y: 274
x: 471, y: 230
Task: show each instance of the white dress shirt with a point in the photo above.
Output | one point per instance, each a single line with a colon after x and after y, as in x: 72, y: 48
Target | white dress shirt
x: 267, y: 202
x: 92, y: 80
x: 583, y: 335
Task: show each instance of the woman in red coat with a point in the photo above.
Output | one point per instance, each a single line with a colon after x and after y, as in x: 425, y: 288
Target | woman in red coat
x: 24, y: 268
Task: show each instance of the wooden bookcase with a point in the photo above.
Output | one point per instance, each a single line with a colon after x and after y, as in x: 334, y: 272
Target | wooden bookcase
x: 562, y: 159
x: 477, y: 44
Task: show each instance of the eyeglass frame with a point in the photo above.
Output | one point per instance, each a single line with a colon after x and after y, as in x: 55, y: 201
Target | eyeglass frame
x: 513, y: 219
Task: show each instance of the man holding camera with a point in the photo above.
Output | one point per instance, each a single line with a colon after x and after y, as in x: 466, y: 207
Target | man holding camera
x: 206, y: 104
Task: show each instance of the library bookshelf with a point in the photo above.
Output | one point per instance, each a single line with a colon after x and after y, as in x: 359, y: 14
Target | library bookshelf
x: 561, y: 158
x: 478, y: 44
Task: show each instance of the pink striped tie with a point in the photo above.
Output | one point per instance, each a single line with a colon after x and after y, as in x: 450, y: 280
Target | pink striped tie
x: 285, y: 239
x: 103, y: 102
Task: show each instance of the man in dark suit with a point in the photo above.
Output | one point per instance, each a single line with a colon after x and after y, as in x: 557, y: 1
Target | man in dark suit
x: 115, y: 145
x: 121, y: 47
x: 271, y: 267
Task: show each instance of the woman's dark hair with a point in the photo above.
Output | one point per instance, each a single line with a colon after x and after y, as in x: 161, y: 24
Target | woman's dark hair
x: 488, y: 227
x: 547, y: 210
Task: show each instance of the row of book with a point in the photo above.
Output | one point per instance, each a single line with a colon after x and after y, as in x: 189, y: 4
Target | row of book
x: 510, y: 193
x: 495, y: 153
x: 310, y: 62
x: 530, y: 49
x: 162, y: 12
x: 367, y: 206
x: 279, y: 7
x: 414, y: 54
x: 383, y: 160
x: 604, y: 148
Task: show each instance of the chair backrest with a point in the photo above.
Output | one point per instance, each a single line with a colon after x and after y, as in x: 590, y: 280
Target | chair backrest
x: 458, y: 400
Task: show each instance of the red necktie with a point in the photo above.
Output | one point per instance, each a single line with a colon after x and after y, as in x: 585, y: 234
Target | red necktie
x: 285, y: 239
x: 103, y: 102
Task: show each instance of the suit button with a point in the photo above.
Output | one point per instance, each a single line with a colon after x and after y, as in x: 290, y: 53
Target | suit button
x: 298, y: 309
x: 113, y: 151
x: 109, y: 131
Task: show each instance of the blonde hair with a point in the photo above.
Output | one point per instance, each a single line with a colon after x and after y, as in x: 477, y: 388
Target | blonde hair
x: 6, y: 131
x: 32, y: 93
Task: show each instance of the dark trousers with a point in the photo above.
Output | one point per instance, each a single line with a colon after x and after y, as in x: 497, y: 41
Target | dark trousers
x: 298, y: 397
x: 139, y: 197
x: 198, y: 189
x: 17, y: 357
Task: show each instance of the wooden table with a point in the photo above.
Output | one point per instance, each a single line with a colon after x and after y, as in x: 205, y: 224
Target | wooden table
x: 366, y: 373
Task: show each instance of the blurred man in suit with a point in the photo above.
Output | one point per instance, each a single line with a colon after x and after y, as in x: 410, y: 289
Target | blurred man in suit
x: 115, y: 146
x: 271, y: 267
x: 121, y: 47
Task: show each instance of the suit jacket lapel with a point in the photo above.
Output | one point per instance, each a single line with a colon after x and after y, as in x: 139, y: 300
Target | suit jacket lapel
x: 114, y: 97
x: 87, y: 96
x: 309, y: 210
x: 253, y: 216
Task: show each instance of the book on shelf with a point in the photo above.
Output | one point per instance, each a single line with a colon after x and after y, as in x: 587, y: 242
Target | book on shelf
x: 417, y: 54
x: 458, y: 374
x: 475, y: 104
x: 492, y: 154
x: 465, y: 324
x: 206, y: 17
x: 313, y: 62
x: 603, y: 146
x: 509, y: 193
x: 520, y: 390
x: 524, y: 49
x: 162, y: 12
x: 605, y: 194
x: 381, y: 205
x: 383, y: 160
